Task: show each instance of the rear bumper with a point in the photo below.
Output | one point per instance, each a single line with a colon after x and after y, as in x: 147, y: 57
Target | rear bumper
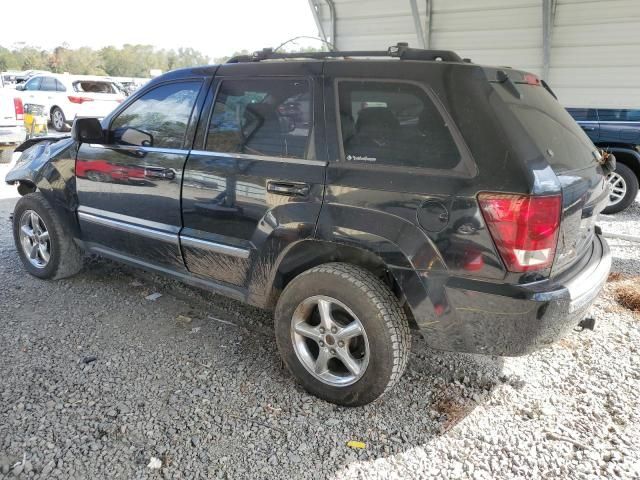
x: 498, y: 319
x: 12, y: 135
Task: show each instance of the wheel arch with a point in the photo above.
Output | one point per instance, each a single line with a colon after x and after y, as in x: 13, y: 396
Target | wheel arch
x: 627, y: 155
x: 309, y: 253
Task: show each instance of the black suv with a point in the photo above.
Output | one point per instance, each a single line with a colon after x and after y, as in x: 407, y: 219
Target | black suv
x: 615, y: 130
x: 355, y: 197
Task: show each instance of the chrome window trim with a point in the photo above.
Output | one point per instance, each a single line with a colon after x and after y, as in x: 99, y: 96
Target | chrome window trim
x: 129, y: 228
x: 187, y: 241
x: 245, y: 156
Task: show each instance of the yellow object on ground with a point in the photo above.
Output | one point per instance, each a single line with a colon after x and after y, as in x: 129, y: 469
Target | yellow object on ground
x: 35, y: 120
x: 355, y: 444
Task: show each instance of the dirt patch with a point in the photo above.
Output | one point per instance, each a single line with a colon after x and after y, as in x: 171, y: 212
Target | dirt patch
x: 626, y: 290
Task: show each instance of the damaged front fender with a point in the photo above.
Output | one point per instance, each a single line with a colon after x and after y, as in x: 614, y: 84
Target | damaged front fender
x: 49, y: 167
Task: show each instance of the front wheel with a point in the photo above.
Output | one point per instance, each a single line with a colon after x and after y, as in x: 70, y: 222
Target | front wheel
x: 342, y: 333
x: 46, y: 248
x: 623, y: 185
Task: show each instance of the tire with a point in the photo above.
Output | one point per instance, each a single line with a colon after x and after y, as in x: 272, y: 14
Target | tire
x: 64, y: 256
x: 625, y: 178
x: 58, y: 120
x: 381, y: 351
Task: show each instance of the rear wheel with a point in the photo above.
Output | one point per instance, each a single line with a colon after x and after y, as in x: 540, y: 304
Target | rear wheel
x: 46, y: 248
x: 58, y: 120
x: 623, y: 185
x: 342, y: 334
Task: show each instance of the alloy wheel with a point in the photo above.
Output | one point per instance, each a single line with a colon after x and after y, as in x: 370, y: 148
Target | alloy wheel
x: 34, y: 238
x: 330, y: 341
x: 58, y: 120
x: 617, y: 188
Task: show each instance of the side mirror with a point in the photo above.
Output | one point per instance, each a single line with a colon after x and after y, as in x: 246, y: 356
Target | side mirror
x: 20, y: 87
x: 87, y: 130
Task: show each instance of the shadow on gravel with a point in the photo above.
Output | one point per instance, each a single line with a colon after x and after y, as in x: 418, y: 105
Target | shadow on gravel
x: 438, y: 390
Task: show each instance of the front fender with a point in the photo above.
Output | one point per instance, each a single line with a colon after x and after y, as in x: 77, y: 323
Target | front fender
x: 49, y: 166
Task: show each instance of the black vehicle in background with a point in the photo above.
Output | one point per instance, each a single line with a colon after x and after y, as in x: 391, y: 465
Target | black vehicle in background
x: 616, y: 130
x: 355, y: 198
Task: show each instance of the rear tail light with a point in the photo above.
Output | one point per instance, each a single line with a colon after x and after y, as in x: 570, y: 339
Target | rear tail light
x: 524, y: 228
x: 19, y: 108
x: 73, y: 99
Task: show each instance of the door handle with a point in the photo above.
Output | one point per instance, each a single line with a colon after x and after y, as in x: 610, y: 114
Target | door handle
x: 288, y: 189
x: 587, y: 129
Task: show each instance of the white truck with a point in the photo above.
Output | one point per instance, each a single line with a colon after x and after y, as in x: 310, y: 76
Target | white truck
x: 12, y: 131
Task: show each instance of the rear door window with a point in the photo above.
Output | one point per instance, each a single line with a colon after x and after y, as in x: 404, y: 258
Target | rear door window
x: 394, y: 123
x: 48, y: 84
x: 60, y: 87
x: 266, y: 117
x: 159, y: 118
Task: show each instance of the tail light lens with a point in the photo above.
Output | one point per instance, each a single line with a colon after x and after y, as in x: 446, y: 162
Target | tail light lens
x: 73, y: 99
x: 19, y: 108
x: 524, y: 228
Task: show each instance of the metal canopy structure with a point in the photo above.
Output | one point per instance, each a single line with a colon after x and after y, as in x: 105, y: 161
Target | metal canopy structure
x: 587, y: 50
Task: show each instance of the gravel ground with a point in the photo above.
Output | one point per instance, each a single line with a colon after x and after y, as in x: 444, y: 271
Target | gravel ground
x: 99, y: 382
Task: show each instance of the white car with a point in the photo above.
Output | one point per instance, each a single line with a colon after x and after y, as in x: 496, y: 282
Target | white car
x: 66, y: 97
x: 12, y: 130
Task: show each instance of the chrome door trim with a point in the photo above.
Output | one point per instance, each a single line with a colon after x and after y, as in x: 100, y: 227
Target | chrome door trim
x: 129, y: 228
x: 187, y: 241
x: 266, y: 158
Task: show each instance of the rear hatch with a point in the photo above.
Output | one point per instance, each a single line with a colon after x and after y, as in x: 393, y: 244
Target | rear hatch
x: 96, y: 97
x: 567, y: 150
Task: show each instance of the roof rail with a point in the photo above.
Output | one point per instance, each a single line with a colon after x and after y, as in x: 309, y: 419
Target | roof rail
x: 401, y: 51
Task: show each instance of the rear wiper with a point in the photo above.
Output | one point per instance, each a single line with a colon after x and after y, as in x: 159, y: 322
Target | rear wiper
x: 548, y: 89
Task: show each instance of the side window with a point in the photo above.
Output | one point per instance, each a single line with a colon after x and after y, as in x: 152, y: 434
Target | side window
x: 48, y: 84
x: 583, y: 114
x: 33, y: 84
x: 157, y: 119
x: 60, y: 87
x: 611, y: 115
x: 270, y: 117
x: 393, y: 123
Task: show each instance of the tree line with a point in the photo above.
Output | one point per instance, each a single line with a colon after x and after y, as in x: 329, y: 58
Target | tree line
x: 127, y: 61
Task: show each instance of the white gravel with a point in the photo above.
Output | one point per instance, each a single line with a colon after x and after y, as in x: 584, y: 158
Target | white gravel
x: 97, y: 382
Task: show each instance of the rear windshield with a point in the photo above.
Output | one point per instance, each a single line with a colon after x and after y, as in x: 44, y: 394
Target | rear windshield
x: 90, y: 86
x: 551, y: 128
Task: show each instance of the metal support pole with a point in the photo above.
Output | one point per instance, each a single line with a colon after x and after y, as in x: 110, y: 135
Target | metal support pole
x: 417, y: 23
x: 315, y: 10
x: 428, y: 24
x: 332, y: 13
x: 548, y: 14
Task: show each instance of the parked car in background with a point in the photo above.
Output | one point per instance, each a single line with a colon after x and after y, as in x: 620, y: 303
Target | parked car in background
x: 66, y: 97
x: 12, y: 131
x: 354, y: 198
x: 616, y: 130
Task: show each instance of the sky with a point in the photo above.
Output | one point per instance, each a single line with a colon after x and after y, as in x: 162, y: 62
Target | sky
x: 214, y: 27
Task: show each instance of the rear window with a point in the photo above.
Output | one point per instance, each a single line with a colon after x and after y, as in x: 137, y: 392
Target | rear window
x: 551, y: 128
x: 87, y: 86
x: 394, y: 123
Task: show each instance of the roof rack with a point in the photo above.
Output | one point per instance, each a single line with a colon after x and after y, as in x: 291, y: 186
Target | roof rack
x: 401, y: 51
